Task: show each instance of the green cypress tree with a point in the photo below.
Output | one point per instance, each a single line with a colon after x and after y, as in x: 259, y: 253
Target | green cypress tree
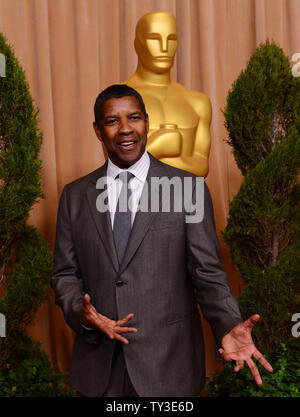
x: 262, y: 116
x: 25, y: 260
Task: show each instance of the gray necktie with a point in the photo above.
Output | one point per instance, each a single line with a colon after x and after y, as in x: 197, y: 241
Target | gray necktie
x: 122, y: 221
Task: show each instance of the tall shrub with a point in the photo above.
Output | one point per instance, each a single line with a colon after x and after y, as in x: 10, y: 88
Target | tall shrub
x: 262, y: 116
x: 25, y: 260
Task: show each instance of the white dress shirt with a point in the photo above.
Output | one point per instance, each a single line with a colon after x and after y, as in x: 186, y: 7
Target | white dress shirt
x: 140, y: 171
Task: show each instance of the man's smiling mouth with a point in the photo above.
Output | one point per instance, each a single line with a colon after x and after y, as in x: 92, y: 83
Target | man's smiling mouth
x: 127, y: 145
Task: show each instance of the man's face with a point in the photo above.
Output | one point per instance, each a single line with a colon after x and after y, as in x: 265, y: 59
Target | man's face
x: 156, y: 42
x: 123, y: 130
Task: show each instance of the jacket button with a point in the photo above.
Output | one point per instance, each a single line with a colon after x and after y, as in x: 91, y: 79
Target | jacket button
x: 119, y: 283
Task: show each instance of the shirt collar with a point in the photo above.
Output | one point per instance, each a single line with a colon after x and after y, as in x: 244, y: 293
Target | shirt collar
x: 140, y: 168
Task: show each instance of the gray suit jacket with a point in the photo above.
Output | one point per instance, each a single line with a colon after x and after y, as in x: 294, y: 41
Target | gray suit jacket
x: 169, y: 266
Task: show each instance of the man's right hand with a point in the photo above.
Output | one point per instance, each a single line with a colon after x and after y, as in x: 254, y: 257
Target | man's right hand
x: 91, y: 318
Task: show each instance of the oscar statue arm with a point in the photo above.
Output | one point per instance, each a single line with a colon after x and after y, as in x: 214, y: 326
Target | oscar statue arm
x: 197, y: 163
x: 165, y: 141
x: 203, y: 138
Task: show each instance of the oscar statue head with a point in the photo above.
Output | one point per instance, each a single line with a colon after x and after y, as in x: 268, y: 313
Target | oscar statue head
x: 156, y: 41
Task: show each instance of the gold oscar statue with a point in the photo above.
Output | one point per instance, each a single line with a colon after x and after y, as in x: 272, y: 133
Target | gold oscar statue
x: 179, y: 133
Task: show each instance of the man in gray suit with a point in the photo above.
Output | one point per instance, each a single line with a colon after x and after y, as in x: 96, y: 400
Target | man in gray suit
x: 129, y: 285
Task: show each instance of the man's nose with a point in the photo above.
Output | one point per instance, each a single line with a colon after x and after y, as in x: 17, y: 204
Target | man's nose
x: 125, y: 127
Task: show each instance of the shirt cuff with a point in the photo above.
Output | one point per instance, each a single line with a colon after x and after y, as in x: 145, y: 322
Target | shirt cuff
x: 88, y: 328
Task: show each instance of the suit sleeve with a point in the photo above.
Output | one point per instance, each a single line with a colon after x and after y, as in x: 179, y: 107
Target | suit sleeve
x: 66, y: 279
x: 218, y: 304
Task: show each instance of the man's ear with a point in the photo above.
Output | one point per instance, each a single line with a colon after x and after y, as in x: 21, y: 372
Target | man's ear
x: 147, y: 123
x: 97, y: 131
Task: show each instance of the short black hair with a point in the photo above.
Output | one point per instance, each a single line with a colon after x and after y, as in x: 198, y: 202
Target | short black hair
x: 116, y: 91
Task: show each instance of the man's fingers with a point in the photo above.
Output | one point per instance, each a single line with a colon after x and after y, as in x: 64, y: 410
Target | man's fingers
x: 239, y: 366
x: 115, y: 336
x: 86, y: 302
x: 125, y: 320
x: 110, y: 327
x: 86, y: 299
x: 90, y: 310
x: 87, y: 311
x: 254, y: 371
x: 263, y: 361
x: 121, y: 339
x: 119, y: 329
x: 252, y: 321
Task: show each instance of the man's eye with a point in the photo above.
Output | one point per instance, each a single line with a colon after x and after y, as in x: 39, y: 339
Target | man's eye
x: 111, y: 121
x: 134, y: 117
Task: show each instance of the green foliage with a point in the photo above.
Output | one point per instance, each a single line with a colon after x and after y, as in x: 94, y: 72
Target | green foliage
x: 33, y: 376
x: 26, y: 277
x: 282, y: 382
x: 263, y: 235
x: 259, y: 225
x: 25, y: 259
x: 262, y: 116
x: 20, y: 142
x: 262, y: 106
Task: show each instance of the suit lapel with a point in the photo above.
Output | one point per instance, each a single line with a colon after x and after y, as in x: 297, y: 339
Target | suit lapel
x: 143, y: 220
x: 102, y: 220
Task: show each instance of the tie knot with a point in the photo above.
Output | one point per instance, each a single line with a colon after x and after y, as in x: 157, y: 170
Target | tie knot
x: 125, y: 176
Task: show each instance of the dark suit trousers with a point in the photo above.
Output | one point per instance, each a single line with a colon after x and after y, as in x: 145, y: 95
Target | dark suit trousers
x: 119, y: 384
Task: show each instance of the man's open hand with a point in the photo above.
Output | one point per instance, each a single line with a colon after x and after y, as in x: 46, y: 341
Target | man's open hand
x: 238, y: 345
x: 91, y: 318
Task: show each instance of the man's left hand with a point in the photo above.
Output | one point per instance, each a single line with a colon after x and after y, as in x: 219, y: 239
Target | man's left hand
x: 238, y: 345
